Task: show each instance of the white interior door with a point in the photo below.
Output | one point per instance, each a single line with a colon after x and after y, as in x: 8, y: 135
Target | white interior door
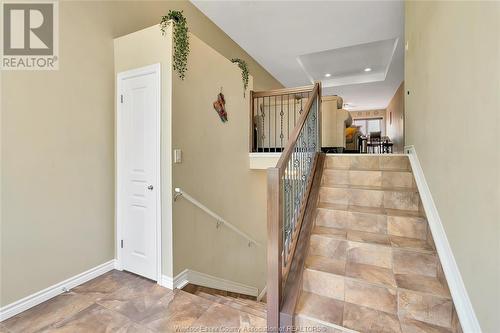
x: 138, y: 170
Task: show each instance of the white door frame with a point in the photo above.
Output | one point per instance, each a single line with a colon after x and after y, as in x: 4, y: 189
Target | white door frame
x: 151, y: 69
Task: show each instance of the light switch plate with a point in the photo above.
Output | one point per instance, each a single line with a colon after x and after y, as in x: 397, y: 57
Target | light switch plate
x: 177, y: 156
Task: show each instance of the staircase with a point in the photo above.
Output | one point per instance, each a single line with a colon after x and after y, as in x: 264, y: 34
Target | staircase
x: 372, y: 264
x: 235, y: 301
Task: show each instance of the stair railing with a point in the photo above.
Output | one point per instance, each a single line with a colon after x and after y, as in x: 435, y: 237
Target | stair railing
x: 219, y: 220
x: 288, y: 187
x: 273, y: 116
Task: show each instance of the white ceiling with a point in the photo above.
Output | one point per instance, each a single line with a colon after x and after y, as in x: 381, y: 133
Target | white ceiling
x: 300, y: 41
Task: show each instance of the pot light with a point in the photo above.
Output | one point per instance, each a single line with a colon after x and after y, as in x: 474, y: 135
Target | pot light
x: 328, y: 75
x: 368, y: 69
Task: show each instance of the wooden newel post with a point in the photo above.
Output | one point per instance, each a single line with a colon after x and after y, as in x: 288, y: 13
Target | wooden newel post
x: 274, y: 248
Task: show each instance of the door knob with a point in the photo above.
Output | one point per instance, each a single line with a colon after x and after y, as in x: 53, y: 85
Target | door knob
x: 150, y: 187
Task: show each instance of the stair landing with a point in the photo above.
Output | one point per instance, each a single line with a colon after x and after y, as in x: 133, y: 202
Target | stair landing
x: 372, y: 265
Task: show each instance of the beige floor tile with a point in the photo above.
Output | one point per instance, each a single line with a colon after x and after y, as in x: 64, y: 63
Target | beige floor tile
x: 322, y: 283
x: 365, y: 162
x: 303, y: 324
x: 368, y: 237
x: 335, y: 195
x: 370, y: 273
x: 48, y: 313
x: 335, y: 177
x: 219, y: 316
x: 367, y: 320
x: 3, y: 329
x: 415, y: 326
x: 338, y: 162
x: 97, y: 319
x: 402, y: 200
x: 106, y: 284
x: 413, y: 227
x: 410, y: 262
x: 394, y: 163
x: 423, y: 284
x: 332, y: 218
x: 397, y: 179
x: 325, y: 264
x: 178, y: 309
x: 370, y: 198
x: 135, y: 299
x: 330, y: 232
x: 411, y: 243
x: 370, y: 254
x: 371, y: 296
x: 365, y: 178
x: 367, y: 222
x: 320, y: 307
x: 328, y: 247
x: 424, y: 307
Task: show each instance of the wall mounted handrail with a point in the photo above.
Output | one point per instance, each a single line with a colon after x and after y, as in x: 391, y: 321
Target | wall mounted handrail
x: 220, y: 220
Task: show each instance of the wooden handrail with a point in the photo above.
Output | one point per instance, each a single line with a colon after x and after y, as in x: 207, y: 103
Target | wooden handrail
x: 278, y: 178
x: 283, y: 91
x: 285, y: 156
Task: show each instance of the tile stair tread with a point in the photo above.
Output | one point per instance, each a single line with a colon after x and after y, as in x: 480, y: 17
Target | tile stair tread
x: 368, y: 169
x: 371, y: 188
x: 407, y: 325
x: 245, y: 302
x: 419, y: 284
x: 370, y: 210
x: 403, y: 243
x: 332, y: 312
x: 231, y: 302
x: 250, y: 303
x: 207, y: 296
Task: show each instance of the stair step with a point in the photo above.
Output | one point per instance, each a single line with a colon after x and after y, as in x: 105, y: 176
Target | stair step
x: 386, y: 179
x: 367, y: 162
x: 353, y: 237
x: 333, y: 271
x: 369, y: 219
x: 209, y: 297
x: 405, y: 296
x: 371, y: 196
x: 235, y: 304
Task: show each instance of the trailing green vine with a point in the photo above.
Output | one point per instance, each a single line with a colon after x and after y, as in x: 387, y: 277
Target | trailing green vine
x: 244, y: 72
x: 181, y: 40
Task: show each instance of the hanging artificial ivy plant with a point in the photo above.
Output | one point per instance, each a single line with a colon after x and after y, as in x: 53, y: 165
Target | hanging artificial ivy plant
x: 244, y: 72
x: 181, y: 40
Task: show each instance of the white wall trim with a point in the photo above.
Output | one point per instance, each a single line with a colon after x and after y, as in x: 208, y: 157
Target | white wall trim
x: 32, y: 300
x: 463, y: 305
x: 262, y: 161
x: 206, y: 280
x: 150, y: 69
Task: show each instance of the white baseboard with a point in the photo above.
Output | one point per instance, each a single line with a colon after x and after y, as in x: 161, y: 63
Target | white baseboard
x: 30, y: 301
x: 205, y: 280
x: 461, y: 299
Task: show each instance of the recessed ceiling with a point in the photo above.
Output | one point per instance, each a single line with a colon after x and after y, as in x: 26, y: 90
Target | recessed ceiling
x: 301, y: 41
x: 356, y: 64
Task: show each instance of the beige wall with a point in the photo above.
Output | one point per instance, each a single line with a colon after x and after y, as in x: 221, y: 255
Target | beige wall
x: 452, y: 72
x: 395, y: 119
x: 215, y: 171
x: 139, y: 49
x: 57, y: 140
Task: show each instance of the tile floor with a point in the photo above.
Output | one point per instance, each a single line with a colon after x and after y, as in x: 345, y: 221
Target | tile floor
x: 124, y: 302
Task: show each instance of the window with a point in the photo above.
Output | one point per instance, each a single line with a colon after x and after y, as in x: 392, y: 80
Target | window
x: 369, y: 125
